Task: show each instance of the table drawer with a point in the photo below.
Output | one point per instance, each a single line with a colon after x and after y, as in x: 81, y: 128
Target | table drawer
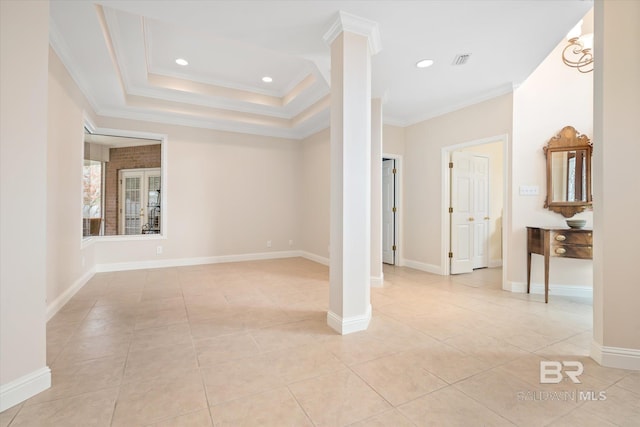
x: 571, y: 251
x: 572, y: 237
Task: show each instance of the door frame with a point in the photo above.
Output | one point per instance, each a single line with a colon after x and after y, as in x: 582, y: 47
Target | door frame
x: 397, y: 259
x: 446, y: 195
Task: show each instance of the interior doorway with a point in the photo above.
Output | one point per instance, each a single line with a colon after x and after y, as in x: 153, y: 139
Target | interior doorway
x: 464, y: 248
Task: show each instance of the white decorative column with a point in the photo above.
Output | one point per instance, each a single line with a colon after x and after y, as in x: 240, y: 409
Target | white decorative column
x: 353, y: 40
x: 377, y: 275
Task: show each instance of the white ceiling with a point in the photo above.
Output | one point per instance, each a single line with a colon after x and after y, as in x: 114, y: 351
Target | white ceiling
x: 122, y: 55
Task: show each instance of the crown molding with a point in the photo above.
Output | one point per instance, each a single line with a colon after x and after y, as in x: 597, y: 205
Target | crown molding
x: 502, y: 90
x: 347, y: 22
x: 61, y: 49
x: 316, y: 122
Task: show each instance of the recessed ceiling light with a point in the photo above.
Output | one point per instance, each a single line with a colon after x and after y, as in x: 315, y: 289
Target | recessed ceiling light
x: 267, y: 79
x: 424, y: 63
x: 182, y: 61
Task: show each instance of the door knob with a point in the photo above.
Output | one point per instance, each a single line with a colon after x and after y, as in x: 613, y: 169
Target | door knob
x: 470, y: 218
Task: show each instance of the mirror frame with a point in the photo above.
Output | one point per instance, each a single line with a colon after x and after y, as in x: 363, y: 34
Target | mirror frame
x: 568, y: 140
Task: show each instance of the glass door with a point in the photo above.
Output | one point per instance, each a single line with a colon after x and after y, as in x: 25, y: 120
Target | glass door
x: 139, y: 201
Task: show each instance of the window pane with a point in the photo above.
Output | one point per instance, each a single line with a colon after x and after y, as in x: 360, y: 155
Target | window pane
x: 92, y: 197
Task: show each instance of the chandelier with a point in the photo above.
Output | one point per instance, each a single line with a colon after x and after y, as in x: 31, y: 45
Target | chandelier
x: 579, y: 52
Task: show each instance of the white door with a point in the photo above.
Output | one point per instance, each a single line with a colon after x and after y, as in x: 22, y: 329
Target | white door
x: 461, y: 209
x: 139, y: 200
x: 469, y: 212
x: 480, y: 251
x: 388, y: 211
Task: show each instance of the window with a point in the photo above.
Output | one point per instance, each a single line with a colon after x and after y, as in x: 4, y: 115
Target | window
x: 114, y: 204
x: 92, y: 200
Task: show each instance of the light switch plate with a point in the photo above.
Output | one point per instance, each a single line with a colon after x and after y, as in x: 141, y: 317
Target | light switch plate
x: 529, y: 190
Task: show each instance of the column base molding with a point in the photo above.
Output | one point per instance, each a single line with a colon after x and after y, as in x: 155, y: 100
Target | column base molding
x: 349, y: 325
x: 616, y: 357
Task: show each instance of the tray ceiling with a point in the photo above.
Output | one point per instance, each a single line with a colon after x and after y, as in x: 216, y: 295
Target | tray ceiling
x: 122, y: 55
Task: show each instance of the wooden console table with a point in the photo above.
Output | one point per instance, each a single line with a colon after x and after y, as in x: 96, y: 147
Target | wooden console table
x: 557, y: 242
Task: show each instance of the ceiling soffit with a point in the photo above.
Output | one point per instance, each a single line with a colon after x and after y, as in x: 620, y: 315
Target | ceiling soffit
x: 220, y: 90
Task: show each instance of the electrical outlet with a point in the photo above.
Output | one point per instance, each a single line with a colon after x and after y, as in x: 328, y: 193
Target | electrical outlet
x: 268, y: 243
x: 158, y: 250
x: 290, y: 242
x: 529, y: 190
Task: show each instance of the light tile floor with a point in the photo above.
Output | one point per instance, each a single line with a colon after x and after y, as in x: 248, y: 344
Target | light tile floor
x: 245, y: 344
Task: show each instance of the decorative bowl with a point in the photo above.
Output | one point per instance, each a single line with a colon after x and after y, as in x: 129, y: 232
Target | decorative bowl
x: 576, y: 223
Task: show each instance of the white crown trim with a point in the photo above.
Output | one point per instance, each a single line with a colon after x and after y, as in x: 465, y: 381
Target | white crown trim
x: 347, y: 22
x: 57, y: 43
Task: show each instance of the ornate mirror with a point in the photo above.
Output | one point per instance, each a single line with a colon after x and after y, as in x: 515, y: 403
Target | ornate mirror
x: 568, y: 172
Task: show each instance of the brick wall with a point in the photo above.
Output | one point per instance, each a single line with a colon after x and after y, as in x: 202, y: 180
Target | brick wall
x: 140, y: 157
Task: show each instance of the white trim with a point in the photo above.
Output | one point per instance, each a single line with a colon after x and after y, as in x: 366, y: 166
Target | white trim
x: 616, y: 357
x: 58, y: 303
x: 313, y: 257
x: 179, y: 262
x: 300, y: 131
x: 60, y: 47
x: 346, y: 22
x: 377, y: 281
x: 429, y: 268
x: 560, y: 290
x: 24, y: 387
x: 349, y: 325
x: 433, y: 113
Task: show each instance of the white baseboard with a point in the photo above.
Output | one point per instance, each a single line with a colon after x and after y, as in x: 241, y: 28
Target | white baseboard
x: 349, y: 325
x: 24, y: 387
x: 377, y: 282
x: 417, y: 265
x: 181, y: 262
x: 54, y: 306
x: 560, y: 290
x: 313, y: 257
x: 616, y: 357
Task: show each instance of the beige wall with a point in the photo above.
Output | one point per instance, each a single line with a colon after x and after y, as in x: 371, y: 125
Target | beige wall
x: 423, y: 171
x: 226, y: 194
x: 315, y: 182
x: 553, y: 97
x: 66, y: 108
x: 392, y: 139
x: 23, y: 193
x: 315, y: 197
x: 616, y: 204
